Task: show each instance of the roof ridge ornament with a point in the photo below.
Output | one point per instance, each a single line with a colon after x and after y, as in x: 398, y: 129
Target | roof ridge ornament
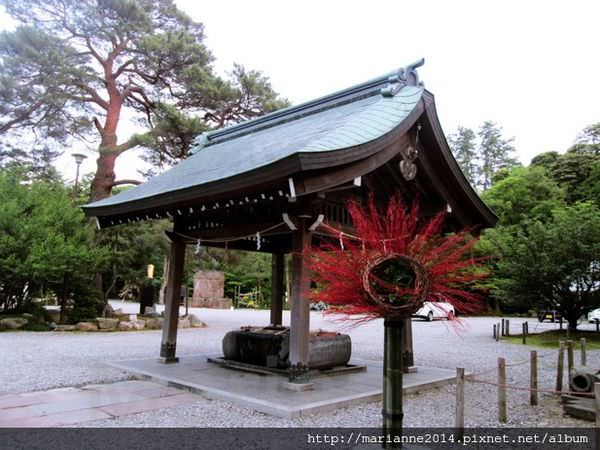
x: 199, y: 143
x: 406, y: 76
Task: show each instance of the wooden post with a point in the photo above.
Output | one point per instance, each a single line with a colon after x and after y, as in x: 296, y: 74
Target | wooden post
x: 570, y: 360
x: 583, y: 352
x: 533, y: 398
x: 502, y: 417
x: 300, y: 311
x: 527, y: 328
x: 507, y: 325
x: 498, y: 331
x: 503, y: 328
x: 169, y: 333
x: 560, y: 366
x: 494, y: 333
x: 524, y: 333
x: 460, y: 402
x: 392, y: 379
x: 597, y: 325
x: 277, y: 269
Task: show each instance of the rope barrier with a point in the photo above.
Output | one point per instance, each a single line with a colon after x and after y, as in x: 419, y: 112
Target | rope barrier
x: 521, y: 388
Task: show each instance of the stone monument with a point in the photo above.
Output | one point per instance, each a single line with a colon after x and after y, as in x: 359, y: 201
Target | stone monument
x: 209, y: 290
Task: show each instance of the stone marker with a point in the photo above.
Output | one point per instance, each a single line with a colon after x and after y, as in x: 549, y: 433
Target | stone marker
x: 184, y: 323
x: 209, y: 290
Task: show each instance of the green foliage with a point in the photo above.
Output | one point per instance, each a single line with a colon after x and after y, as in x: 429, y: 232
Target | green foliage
x: 464, y: 148
x: 495, y: 153
x: 555, y: 263
x: 72, y: 66
x: 573, y: 171
x: 45, y: 242
x: 588, y: 141
x: 486, y: 160
x: 526, y: 193
x: 250, y: 272
x: 132, y: 247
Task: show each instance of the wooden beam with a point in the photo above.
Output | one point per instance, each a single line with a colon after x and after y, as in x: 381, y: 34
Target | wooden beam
x: 277, y: 289
x: 169, y: 332
x: 300, y: 312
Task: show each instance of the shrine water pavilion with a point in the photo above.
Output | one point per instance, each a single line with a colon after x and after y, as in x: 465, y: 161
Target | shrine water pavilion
x: 268, y: 185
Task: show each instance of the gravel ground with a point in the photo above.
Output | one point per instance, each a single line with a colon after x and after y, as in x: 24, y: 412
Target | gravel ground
x: 38, y: 361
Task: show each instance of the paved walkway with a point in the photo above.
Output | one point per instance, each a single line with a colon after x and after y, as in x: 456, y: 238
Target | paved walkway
x: 71, y: 406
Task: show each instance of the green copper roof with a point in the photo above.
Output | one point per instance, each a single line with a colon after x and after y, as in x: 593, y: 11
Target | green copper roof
x: 341, y: 120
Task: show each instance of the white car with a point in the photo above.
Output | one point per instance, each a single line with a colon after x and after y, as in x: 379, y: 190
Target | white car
x: 594, y: 315
x: 436, y: 310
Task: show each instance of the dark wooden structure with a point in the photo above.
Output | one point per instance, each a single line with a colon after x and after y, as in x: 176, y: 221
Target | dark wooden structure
x: 267, y: 184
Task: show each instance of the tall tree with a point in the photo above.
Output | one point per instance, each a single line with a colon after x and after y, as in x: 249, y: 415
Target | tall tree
x: 75, y: 65
x: 588, y: 140
x: 495, y: 153
x: 573, y: 171
x: 554, y: 263
x: 463, y: 147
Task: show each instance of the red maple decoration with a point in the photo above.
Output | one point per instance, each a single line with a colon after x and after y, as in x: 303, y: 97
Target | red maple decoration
x: 346, y: 274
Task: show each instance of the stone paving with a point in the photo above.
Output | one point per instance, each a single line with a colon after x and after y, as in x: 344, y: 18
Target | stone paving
x: 70, y: 406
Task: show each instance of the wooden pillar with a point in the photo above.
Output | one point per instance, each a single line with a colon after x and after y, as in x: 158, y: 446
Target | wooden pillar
x: 300, y: 311
x: 169, y: 332
x: 277, y: 288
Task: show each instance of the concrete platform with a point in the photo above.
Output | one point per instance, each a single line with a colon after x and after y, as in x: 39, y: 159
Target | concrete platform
x: 266, y: 393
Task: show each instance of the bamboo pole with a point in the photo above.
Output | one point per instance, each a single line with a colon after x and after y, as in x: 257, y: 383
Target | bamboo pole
x: 583, y: 352
x: 392, y: 379
x: 560, y: 366
x: 502, y: 390
x: 597, y: 397
x: 533, y: 398
x: 460, y: 402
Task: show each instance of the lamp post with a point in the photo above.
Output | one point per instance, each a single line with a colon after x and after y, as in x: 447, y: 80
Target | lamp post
x: 79, y: 157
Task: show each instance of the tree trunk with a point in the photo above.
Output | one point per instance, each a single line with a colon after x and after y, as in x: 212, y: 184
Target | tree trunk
x: 104, y: 177
x: 63, y: 300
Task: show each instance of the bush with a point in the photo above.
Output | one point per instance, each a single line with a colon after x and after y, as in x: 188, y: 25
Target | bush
x: 85, y: 309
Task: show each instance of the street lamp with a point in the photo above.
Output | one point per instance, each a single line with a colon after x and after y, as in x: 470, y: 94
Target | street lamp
x: 79, y: 157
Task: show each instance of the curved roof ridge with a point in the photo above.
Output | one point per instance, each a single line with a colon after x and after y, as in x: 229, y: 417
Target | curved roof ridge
x: 333, y: 100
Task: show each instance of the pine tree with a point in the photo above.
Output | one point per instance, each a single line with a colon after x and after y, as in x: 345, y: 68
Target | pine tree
x: 75, y: 66
x: 463, y: 147
x: 495, y: 153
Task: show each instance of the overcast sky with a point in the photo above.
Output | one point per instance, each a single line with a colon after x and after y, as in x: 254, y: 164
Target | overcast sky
x: 531, y: 66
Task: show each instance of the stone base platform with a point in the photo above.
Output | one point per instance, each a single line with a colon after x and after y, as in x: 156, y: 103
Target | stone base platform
x: 266, y: 393
x: 216, y: 303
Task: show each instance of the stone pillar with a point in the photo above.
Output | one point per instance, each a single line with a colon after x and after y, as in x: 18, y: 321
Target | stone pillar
x: 277, y: 267
x: 300, y: 310
x: 169, y: 332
